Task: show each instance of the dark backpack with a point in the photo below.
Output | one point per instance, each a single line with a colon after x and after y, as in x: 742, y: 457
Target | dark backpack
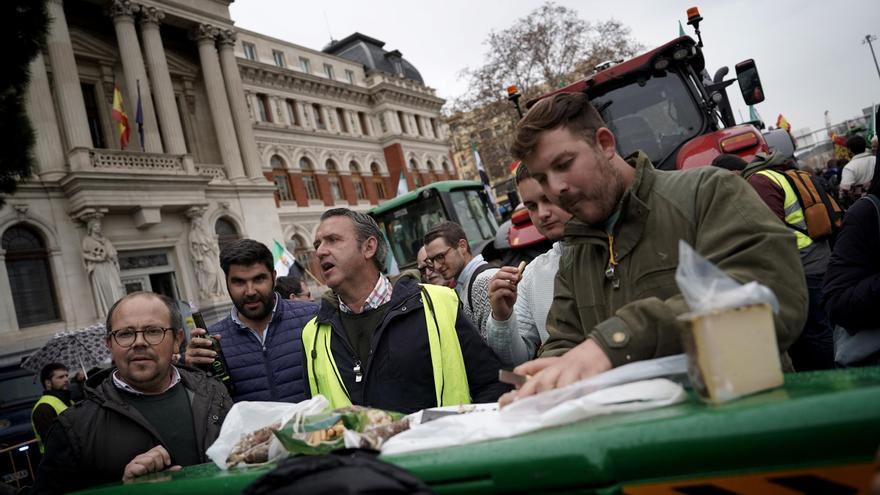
x: 343, y: 472
x: 823, y: 215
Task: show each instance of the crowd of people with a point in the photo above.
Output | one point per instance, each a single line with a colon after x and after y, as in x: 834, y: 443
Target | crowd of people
x: 603, y: 296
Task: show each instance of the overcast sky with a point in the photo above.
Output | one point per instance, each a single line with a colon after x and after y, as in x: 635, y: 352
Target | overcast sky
x: 809, y: 53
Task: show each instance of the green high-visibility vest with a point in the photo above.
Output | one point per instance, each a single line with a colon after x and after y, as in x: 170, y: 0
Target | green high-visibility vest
x: 794, y: 214
x: 56, y: 404
x: 450, y: 376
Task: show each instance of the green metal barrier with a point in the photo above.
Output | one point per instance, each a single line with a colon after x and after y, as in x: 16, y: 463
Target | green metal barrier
x: 820, y: 428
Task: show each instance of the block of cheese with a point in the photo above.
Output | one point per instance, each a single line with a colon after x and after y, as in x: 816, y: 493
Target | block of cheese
x: 732, y: 352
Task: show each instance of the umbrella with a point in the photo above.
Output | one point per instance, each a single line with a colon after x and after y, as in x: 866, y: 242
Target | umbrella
x: 76, y: 349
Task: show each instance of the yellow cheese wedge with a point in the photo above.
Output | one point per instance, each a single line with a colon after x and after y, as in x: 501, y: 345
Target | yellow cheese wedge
x: 732, y: 352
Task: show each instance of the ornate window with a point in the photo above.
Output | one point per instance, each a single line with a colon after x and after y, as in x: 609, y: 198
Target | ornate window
x: 308, y: 177
x: 432, y: 172
x: 30, y: 277
x: 319, y: 119
x: 378, y: 181
x: 281, y: 179
x: 333, y: 179
x: 414, y: 171
x: 226, y: 232
x: 357, y: 180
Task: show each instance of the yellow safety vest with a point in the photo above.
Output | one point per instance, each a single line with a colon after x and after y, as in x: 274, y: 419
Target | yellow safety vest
x: 450, y: 377
x: 794, y: 214
x: 56, y: 404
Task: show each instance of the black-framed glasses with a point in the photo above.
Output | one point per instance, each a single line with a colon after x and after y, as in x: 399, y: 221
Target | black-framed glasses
x: 437, y: 258
x: 126, y: 337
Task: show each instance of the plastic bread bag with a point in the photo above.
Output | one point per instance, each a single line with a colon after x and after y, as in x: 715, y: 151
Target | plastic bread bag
x: 246, y: 437
x: 729, y: 336
x: 347, y: 427
x: 706, y: 288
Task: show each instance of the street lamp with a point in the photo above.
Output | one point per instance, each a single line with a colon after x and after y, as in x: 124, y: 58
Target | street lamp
x: 867, y: 41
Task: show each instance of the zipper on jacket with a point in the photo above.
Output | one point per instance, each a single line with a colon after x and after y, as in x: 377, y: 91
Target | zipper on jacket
x: 611, y: 269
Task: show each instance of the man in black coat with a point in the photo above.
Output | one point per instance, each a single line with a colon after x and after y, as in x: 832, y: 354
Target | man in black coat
x: 145, y: 415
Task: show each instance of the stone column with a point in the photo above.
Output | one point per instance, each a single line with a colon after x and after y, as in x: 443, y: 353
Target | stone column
x: 220, y: 113
x: 123, y: 12
x: 166, y: 107
x: 235, y: 92
x: 66, y: 82
x: 48, y: 150
x: 325, y: 115
x: 355, y: 123
x: 301, y: 115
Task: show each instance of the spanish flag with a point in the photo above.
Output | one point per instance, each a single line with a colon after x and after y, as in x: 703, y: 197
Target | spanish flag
x: 120, y: 118
x: 782, y: 123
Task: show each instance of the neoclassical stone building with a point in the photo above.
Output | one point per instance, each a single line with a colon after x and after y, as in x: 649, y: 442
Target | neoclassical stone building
x: 244, y: 135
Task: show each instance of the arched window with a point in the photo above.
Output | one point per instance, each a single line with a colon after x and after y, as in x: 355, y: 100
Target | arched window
x: 414, y: 171
x: 446, y: 169
x: 281, y: 179
x: 30, y: 277
x: 432, y: 172
x: 308, y: 177
x: 357, y: 180
x: 378, y: 181
x: 333, y: 179
x: 226, y: 232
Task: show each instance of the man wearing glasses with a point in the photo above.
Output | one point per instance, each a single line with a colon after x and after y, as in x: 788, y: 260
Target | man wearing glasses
x: 449, y: 253
x: 143, y: 416
x: 429, y: 276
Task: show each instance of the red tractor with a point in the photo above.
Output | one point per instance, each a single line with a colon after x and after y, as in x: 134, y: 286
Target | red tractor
x: 664, y: 103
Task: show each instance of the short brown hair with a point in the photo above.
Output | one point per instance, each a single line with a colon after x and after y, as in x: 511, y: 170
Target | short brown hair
x: 570, y: 110
x: 450, y: 232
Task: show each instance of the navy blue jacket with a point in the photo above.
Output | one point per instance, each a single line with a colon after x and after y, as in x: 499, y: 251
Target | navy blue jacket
x: 851, y: 292
x: 399, y: 376
x: 273, y: 372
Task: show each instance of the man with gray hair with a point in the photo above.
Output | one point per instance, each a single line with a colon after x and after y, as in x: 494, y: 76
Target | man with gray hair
x: 401, y: 347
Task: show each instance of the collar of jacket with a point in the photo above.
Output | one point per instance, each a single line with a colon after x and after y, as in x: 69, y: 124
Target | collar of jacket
x: 763, y: 161
x: 404, y: 286
x: 101, y: 390
x: 634, y: 212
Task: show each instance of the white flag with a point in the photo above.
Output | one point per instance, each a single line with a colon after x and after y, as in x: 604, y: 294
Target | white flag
x: 283, y: 259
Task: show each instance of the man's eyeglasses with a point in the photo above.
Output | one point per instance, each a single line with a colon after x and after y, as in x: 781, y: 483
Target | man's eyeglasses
x: 125, y: 337
x: 437, y: 258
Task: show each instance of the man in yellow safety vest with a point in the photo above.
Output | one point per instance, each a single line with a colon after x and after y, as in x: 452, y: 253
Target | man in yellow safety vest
x: 55, y: 399
x: 401, y: 347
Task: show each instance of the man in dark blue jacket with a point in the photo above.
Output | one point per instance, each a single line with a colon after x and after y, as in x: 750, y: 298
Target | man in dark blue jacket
x: 261, y: 338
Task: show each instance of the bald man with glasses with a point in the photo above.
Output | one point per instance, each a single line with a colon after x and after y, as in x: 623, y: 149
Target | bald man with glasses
x: 143, y: 416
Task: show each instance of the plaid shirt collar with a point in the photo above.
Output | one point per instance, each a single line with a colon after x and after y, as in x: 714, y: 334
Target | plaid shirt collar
x: 381, y: 294
x: 121, y: 385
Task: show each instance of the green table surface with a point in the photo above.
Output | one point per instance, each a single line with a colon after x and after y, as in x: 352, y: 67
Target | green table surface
x: 815, y: 419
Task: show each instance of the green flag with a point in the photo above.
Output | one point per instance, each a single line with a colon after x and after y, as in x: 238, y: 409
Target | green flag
x: 681, y: 29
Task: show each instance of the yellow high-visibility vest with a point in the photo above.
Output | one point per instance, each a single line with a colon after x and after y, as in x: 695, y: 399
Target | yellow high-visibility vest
x: 794, y: 214
x: 57, y: 404
x: 447, y: 362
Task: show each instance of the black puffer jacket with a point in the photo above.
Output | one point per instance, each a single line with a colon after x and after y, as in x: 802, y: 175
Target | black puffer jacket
x: 398, y: 376
x: 851, y: 291
x: 93, y: 441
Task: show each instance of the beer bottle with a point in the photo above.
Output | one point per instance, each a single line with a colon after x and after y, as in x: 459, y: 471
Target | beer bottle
x: 218, y: 368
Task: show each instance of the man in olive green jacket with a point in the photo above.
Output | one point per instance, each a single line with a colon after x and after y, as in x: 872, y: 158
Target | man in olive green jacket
x: 616, y: 299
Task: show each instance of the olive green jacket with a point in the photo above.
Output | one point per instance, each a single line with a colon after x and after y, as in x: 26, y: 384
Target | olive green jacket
x: 711, y: 209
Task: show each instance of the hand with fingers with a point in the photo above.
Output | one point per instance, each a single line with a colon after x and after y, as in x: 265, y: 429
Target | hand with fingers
x: 583, y: 361
x: 198, y: 350
x: 151, y: 461
x: 502, y: 291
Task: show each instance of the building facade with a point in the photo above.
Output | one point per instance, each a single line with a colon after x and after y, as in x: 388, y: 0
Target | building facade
x: 244, y: 135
